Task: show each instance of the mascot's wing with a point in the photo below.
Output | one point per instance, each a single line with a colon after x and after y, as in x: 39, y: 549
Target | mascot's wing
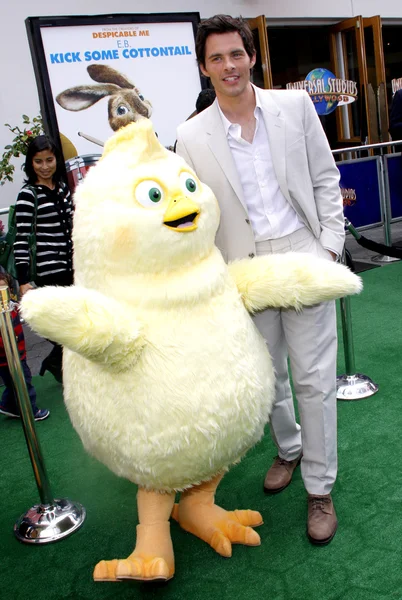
x: 87, y: 322
x: 291, y: 280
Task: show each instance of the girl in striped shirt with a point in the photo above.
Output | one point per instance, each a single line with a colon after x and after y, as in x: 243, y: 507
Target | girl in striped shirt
x: 52, y: 220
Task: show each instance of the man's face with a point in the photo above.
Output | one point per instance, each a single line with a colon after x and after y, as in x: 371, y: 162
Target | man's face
x: 227, y: 63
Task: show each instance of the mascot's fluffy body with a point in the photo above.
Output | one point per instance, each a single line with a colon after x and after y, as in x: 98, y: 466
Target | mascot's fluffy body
x: 199, y: 394
x: 167, y: 380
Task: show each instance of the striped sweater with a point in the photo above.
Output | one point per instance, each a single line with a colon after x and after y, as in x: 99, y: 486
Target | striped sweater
x: 53, y: 231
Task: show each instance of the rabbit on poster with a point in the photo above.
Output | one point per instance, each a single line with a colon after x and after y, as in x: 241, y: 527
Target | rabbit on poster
x: 126, y: 103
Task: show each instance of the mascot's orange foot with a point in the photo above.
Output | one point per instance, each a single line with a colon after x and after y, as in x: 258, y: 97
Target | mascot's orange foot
x: 152, y: 559
x: 216, y: 526
x: 133, y: 567
x: 144, y: 569
x: 105, y: 570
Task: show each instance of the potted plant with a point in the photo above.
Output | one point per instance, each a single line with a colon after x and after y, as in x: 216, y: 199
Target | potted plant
x: 19, y: 145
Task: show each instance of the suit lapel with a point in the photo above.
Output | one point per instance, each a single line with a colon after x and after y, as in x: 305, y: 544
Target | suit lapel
x: 219, y: 147
x: 276, y: 130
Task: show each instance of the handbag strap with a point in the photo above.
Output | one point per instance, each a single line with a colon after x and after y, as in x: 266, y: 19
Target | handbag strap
x: 33, y: 190
x: 59, y: 192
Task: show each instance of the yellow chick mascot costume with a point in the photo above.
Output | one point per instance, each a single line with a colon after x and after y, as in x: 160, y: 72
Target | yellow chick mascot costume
x: 166, y: 378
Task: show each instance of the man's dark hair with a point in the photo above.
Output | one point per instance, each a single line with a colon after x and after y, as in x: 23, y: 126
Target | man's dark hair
x: 223, y: 24
x: 38, y: 144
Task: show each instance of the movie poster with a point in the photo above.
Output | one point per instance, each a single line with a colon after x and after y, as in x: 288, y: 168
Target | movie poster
x: 99, y: 73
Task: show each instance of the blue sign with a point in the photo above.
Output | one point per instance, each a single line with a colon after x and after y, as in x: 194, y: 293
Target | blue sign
x: 361, y: 191
x: 394, y: 165
x: 324, y: 102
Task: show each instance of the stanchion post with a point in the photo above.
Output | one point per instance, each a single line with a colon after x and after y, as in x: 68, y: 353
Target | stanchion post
x: 53, y: 519
x: 24, y: 404
x: 386, y: 212
x: 386, y: 204
x: 348, y: 345
x: 351, y: 385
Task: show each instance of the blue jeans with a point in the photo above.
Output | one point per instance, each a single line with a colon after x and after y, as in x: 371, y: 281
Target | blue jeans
x: 8, y: 399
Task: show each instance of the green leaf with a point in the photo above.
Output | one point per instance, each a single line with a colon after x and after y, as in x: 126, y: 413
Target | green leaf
x: 19, y: 145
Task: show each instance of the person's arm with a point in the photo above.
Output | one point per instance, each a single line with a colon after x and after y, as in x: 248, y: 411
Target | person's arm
x: 24, y: 217
x: 395, y: 121
x: 24, y: 288
x: 325, y: 179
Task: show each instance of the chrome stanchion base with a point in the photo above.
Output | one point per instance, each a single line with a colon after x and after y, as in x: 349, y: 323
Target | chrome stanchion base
x: 45, y: 523
x: 355, y: 387
x: 383, y: 258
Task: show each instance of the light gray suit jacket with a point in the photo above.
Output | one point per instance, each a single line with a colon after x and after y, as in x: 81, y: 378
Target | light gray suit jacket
x: 303, y: 163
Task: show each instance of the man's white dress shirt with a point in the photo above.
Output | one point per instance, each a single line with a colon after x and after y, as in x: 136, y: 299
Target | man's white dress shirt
x: 271, y: 216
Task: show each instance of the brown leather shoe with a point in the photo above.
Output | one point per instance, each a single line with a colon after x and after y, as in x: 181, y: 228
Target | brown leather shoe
x: 322, y: 522
x: 280, y: 474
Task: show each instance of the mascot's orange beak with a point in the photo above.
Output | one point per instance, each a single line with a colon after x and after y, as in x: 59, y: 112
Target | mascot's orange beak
x: 181, y: 215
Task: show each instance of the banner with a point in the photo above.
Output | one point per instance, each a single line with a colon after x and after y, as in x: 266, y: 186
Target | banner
x: 394, y: 173
x: 96, y: 76
x: 361, y: 191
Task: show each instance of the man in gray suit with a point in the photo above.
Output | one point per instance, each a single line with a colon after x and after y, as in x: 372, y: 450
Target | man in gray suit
x: 267, y: 159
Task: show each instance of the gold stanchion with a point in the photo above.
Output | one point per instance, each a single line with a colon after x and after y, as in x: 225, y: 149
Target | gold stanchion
x: 351, y: 385
x: 53, y: 519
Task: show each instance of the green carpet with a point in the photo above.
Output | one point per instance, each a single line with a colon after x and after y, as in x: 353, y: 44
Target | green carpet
x: 363, y: 562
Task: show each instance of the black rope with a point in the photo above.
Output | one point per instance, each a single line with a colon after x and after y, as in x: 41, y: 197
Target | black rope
x: 394, y: 251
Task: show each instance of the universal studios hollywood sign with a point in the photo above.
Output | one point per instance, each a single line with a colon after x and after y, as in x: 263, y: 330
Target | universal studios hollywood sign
x: 326, y: 91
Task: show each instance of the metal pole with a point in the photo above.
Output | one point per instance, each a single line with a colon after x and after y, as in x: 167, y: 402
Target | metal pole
x: 367, y: 147
x: 24, y: 404
x: 348, y: 345
x: 351, y: 385
x: 386, y: 209
x: 52, y: 519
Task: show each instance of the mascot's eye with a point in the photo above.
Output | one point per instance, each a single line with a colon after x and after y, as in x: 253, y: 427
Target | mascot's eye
x: 188, y: 182
x: 155, y: 195
x: 191, y: 185
x: 148, y: 193
x: 122, y: 110
x: 141, y: 97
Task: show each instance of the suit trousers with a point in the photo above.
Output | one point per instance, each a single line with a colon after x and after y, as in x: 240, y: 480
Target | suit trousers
x: 309, y: 340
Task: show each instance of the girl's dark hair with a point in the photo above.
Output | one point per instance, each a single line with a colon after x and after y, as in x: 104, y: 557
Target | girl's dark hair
x: 38, y: 144
x: 6, y: 277
x: 223, y: 24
